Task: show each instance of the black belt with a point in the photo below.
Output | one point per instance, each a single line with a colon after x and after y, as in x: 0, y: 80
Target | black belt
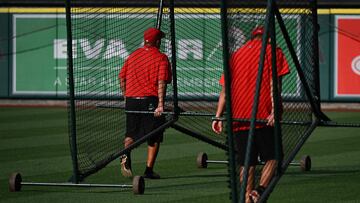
x: 147, y: 97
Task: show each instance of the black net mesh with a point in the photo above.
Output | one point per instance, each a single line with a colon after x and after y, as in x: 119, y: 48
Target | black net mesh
x: 103, y: 38
x: 199, y: 66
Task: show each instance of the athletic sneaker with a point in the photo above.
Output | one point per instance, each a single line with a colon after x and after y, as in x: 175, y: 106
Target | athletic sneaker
x: 256, y: 194
x: 151, y: 175
x: 126, y: 166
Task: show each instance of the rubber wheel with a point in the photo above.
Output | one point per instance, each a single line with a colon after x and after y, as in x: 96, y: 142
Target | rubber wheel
x: 15, y: 182
x: 305, y: 163
x: 138, y: 185
x: 201, y: 160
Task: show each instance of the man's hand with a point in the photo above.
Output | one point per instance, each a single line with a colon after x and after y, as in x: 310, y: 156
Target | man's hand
x: 217, y: 126
x: 270, y: 120
x: 158, y: 111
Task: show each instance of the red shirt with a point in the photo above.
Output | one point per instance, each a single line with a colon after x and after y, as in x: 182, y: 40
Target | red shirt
x: 142, y: 71
x: 244, y: 64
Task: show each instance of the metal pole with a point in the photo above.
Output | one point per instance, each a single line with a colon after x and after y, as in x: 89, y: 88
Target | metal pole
x: 300, y: 72
x: 275, y: 93
x: 315, y: 55
x: 173, y: 60
x: 217, y: 162
x: 261, y: 163
x: 200, y: 137
x: 316, y: 66
x: 336, y: 124
x: 72, y: 127
x: 255, y: 104
x: 232, y: 163
x: 190, y: 113
x: 75, y: 185
x: 159, y: 15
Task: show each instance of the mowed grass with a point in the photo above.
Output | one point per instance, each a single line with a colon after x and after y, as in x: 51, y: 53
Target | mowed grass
x: 34, y: 142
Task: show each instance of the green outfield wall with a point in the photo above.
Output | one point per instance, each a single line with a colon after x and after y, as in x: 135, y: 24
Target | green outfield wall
x: 33, y: 54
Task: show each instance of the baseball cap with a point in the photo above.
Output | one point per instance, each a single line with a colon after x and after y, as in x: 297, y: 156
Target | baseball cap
x: 259, y: 30
x: 153, y: 34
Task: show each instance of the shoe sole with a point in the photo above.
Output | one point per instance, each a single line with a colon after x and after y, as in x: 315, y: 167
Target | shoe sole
x: 151, y: 177
x: 125, y: 172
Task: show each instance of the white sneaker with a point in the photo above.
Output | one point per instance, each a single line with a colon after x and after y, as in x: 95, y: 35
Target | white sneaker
x: 126, y: 166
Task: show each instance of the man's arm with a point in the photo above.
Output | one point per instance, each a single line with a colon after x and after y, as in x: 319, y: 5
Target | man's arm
x: 161, y: 97
x: 123, y: 85
x: 217, y: 124
x: 271, y: 117
x: 164, y: 78
x: 283, y: 69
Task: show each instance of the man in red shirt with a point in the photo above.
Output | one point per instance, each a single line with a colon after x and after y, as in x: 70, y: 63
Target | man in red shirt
x: 244, y: 64
x: 143, y: 79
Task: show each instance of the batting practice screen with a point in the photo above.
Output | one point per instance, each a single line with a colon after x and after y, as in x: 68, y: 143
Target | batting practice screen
x: 104, y: 36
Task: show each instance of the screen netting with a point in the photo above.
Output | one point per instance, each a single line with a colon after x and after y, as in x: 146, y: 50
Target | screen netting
x: 102, y: 39
x: 199, y: 66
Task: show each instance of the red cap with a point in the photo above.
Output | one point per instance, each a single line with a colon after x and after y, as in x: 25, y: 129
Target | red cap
x: 257, y: 31
x: 153, y: 34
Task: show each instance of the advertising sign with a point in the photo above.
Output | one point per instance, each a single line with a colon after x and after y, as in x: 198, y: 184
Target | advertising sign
x: 35, y: 69
x: 347, y: 57
x: 40, y: 53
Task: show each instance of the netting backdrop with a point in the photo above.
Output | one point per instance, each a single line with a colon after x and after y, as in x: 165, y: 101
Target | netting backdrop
x: 297, y: 113
x: 108, y: 36
x: 199, y: 67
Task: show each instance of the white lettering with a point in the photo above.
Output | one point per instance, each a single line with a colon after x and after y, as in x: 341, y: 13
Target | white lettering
x: 92, y: 52
x: 116, y: 48
x: 167, y: 45
x: 188, y: 46
x: 187, y: 49
x: 60, y: 49
x: 57, y: 82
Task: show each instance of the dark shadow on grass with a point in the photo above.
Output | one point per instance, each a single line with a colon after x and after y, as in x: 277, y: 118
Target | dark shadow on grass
x: 197, y: 184
x: 196, y: 176
x: 322, y: 172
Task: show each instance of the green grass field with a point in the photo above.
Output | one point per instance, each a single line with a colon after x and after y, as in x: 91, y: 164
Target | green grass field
x: 34, y: 142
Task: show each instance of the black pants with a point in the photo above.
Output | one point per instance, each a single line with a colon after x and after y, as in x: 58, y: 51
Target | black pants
x: 263, y: 145
x: 140, y: 124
